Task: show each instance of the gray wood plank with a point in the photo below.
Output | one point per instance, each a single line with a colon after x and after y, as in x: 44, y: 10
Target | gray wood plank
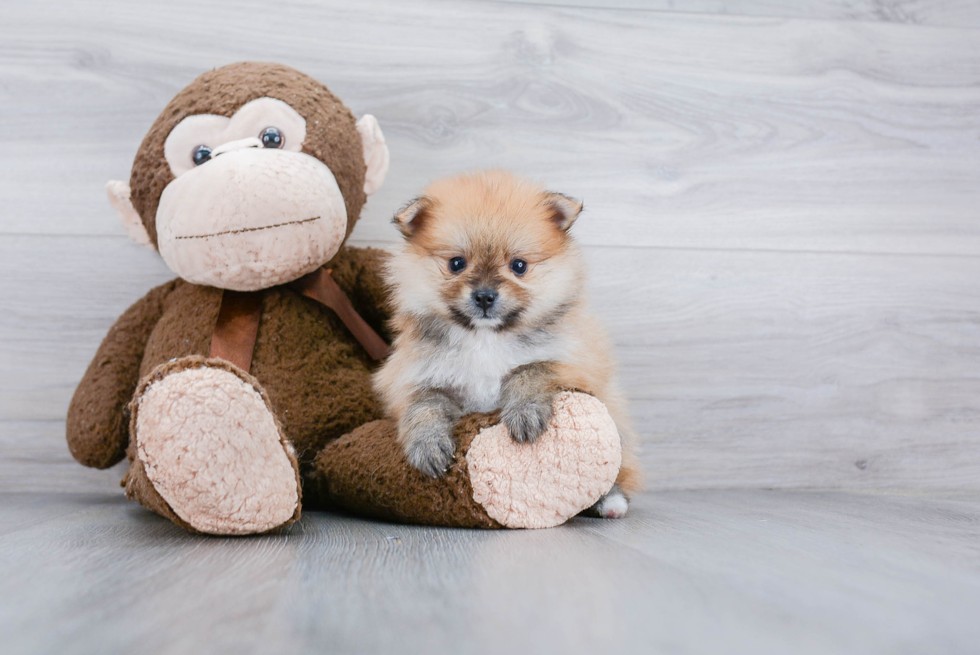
x: 744, y: 368
x: 950, y: 13
x: 678, y: 130
x: 690, y: 572
x: 34, y: 457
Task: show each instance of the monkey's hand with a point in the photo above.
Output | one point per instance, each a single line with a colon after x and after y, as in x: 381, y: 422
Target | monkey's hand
x: 359, y: 272
x: 526, y: 396
x: 426, y: 431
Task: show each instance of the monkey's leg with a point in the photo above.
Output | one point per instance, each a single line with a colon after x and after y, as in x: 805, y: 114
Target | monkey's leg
x: 494, y: 481
x: 207, y: 451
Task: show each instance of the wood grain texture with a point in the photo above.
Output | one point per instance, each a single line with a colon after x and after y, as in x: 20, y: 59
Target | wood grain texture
x: 948, y: 13
x: 744, y: 368
x: 690, y: 572
x: 781, y: 213
x: 677, y: 130
x: 35, y: 458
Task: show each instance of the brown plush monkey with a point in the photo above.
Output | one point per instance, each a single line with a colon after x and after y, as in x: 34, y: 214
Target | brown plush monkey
x: 231, y: 386
x: 252, y: 177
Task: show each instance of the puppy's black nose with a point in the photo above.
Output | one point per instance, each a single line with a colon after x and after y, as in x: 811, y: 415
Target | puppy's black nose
x: 484, y: 298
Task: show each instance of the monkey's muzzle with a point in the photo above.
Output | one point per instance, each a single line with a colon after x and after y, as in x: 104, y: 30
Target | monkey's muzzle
x: 251, y: 219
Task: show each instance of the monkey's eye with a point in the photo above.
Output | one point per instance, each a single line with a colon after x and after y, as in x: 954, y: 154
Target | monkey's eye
x: 456, y: 264
x: 519, y: 267
x: 272, y: 138
x: 200, y: 155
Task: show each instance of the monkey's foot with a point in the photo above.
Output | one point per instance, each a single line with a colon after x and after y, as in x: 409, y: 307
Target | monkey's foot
x: 566, y: 470
x: 213, y: 452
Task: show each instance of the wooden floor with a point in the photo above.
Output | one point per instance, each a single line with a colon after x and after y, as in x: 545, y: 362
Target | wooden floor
x: 752, y: 572
x: 783, y: 226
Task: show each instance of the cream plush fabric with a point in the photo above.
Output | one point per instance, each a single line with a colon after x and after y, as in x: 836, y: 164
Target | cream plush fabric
x: 213, y: 451
x: 571, y: 465
x: 279, y: 215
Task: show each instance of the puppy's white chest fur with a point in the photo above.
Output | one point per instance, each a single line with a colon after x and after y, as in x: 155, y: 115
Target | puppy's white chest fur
x: 475, y: 364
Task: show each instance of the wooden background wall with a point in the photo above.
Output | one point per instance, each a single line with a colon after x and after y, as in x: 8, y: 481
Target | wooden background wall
x: 782, y: 202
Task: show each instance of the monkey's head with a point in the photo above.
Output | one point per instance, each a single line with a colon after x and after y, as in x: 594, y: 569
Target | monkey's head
x: 253, y: 176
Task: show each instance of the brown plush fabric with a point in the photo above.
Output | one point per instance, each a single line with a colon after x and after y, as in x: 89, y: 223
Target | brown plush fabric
x: 316, y: 374
x: 98, y: 420
x: 358, y: 272
x: 366, y: 472
x: 139, y: 488
x: 331, y: 133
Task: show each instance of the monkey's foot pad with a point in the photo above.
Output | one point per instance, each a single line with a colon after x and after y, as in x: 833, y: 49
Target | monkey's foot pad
x: 213, y: 450
x: 541, y: 485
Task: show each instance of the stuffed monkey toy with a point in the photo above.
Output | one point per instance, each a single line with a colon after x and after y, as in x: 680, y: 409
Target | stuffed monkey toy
x: 248, y: 377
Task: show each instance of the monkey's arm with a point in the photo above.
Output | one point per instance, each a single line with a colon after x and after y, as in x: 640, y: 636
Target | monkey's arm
x: 359, y: 272
x: 98, y: 422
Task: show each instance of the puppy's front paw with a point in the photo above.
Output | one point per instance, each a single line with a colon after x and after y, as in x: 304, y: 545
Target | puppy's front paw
x: 430, y: 449
x: 526, y: 420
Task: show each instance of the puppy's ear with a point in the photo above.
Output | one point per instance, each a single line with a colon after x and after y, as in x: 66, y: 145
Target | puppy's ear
x: 564, y: 209
x: 412, y: 216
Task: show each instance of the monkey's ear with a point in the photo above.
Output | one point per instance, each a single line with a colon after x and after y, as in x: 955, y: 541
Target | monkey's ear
x: 118, y: 193
x: 411, y: 217
x: 564, y: 209
x: 376, y: 155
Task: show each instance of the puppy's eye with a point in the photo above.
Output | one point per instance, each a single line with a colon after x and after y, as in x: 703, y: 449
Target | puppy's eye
x: 271, y: 137
x: 456, y: 264
x: 519, y: 267
x: 200, y: 155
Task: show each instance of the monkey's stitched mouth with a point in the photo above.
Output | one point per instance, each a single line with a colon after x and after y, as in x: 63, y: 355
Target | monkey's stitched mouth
x: 250, y: 229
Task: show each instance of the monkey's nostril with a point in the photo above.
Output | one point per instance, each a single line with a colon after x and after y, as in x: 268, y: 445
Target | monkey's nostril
x: 484, y: 298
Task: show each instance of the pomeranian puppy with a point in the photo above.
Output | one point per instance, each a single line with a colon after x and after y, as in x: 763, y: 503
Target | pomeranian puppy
x: 489, y: 313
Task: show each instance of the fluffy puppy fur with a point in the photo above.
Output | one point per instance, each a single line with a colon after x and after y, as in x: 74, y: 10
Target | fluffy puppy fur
x: 489, y: 313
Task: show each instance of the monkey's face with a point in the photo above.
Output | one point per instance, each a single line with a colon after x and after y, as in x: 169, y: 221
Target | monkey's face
x: 253, y: 176
x: 247, y: 209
